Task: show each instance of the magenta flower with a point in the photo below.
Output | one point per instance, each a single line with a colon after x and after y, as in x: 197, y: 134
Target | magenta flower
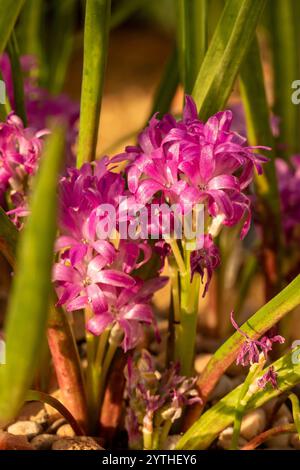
x: 20, y: 151
x: 270, y: 377
x: 289, y: 189
x: 128, y: 309
x: 251, y: 349
x: 40, y: 105
x: 205, y: 260
x: 192, y: 162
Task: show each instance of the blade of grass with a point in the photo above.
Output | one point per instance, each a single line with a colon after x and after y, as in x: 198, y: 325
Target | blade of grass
x: 95, y: 52
x: 124, y: 10
x: 17, y: 75
x: 228, y: 47
x: 8, y: 18
x: 212, y: 422
x: 266, y: 317
x: 192, y: 39
x: 29, y: 300
x: 30, y: 28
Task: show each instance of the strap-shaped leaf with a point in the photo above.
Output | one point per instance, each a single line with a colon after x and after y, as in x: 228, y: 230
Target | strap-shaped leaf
x: 211, y: 423
x: 9, y: 12
x: 29, y: 301
x: 8, y: 237
x: 225, y: 54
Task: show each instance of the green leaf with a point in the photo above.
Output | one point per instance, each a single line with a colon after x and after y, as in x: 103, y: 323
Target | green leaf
x: 8, y: 237
x: 167, y: 86
x: 29, y: 300
x: 266, y: 317
x: 227, y: 49
x: 8, y: 18
x: 124, y: 10
x: 17, y: 76
x: 192, y: 39
x: 207, y: 428
x: 29, y: 31
x: 95, y: 52
x: 286, y: 59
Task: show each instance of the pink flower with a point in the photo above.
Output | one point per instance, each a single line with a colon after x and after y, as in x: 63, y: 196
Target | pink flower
x: 20, y: 151
x: 128, y: 308
x: 270, y: 377
x: 251, y: 349
x: 205, y: 260
x: 192, y: 162
x: 40, y: 105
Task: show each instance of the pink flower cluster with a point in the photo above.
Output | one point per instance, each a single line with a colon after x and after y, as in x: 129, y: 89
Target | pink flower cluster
x: 40, y: 104
x: 20, y: 151
x: 92, y: 272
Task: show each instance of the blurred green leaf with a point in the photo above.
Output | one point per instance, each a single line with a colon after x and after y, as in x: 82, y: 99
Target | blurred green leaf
x: 286, y: 58
x: 124, y: 10
x: 228, y: 47
x: 29, y: 30
x: 29, y: 300
x: 8, y: 18
x: 96, y: 30
x: 17, y: 76
x: 8, y: 237
x: 206, y: 429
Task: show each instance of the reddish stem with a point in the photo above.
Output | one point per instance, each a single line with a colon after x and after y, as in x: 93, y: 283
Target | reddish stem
x: 264, y: 436
x: 67, y: 366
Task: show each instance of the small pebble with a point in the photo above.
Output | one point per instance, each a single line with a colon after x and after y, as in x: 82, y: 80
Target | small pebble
x: 53, y: 414
x: 295, y: 441
x: 201, y: 361
x: 41, y: 417
x: 43, y: 441
x: 284, y: 411
x: 225, y: 439
x: 11, y: 442
x: 282, y: 440
x: 65, y: 431
x: 76, y: 443
x: 223, y: 387
x: 29, y: 429
x: 253, y: 423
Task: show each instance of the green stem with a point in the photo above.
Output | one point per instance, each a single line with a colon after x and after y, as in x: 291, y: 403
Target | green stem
x: 17, y: 76
x: 164, y: 433
x: 8, y: 18
x: 177, y: 255
x: 94, y: 62
x: 296, y: 411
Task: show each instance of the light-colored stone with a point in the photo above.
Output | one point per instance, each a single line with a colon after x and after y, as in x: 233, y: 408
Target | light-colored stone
x: 253, y: 423
x: 29, y: 429
x: 43, y: 441
x: 55, y: 426
x: 65, y: 431
x: 41, y: 417
x: 11, y: 442
x: 295, y: 441
x: 201, y: 361
x: 223, y: 387
x: 225, y: 439
x: 282, y: 440
x: 284, y: 411
x: 76, y: 443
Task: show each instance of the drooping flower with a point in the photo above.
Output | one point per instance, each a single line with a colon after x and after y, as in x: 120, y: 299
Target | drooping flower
x: 270, y: 377
x: 155, y: 397
x: 205, y: 260
x: 251, y: 349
